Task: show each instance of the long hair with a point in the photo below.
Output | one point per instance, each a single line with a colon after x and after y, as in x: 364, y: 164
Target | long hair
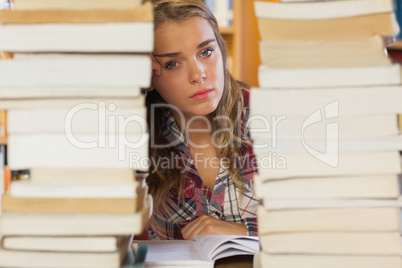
x: 163, y: 181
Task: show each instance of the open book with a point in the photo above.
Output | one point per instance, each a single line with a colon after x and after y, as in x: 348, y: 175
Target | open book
x: 202, y: 252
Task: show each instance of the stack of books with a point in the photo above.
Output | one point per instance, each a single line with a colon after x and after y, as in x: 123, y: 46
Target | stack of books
x: 325, y: 128
x: 76, y: 118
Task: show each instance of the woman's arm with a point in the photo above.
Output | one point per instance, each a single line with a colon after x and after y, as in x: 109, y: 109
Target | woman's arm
x: 206, y: 225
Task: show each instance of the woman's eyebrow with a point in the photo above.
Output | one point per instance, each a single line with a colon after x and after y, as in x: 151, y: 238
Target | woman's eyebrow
x: 170, y: 55
x: 176, y: 54
x: 202, y: 44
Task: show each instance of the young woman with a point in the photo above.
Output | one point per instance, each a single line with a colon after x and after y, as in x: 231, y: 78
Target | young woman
x: 202, y: 165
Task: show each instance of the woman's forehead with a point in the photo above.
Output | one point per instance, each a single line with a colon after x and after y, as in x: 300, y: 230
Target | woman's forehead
x: 190, y: 32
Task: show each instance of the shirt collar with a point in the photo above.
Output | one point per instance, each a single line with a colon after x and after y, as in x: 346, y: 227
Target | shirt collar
x: 171, y: 130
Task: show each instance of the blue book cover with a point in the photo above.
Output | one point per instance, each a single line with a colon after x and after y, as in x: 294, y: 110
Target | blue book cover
x: 398, y: 13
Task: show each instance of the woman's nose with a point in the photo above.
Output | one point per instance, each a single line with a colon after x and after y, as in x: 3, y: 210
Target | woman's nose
x: 197, y: 72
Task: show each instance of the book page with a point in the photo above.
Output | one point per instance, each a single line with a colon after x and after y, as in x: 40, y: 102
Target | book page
x: 172, y: 253
x: 221, y: 246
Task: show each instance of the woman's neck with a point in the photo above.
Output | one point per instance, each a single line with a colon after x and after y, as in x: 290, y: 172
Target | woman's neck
x: 197, y: 129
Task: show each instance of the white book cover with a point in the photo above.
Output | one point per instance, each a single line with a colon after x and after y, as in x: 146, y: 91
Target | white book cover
x: 263, y: 259
x: 342, y: 243
x: 326, y: 146
x: 343, y: 101
x: 46, y: 259
x: 270, y: 127
x: 328, y: 220
x: 103, y: 117
x: 65, y: 243
x: 321, y: 9
x: 329, y: 77
x: 375, y: 186
x: 222, y: 12
x: 80, y: 151
x: 81, y: 70
x: 128, y: 37
x: 279, y: 204
x: 30, y: 189
x: 274, y: 165
x: 32, y: 91
x: 72, y: 103
x: 73, y: 224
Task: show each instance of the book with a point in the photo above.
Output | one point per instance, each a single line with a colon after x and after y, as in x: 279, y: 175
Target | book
x: 328, y: 144
x: 269, y: 77
x: 79, y: 151
x: 280, y: 204
x: 202, y: 252
x: 142, y: 13
x: 3, y: 127
x: 281, y: 166
x: 28, y: 188
x: 74, y: 4
x: 72, y: 102
x: 69, y: 30
x: 26, y: 92
x: 384, y: 24
x: 72, y: 224
x: 223, y: 13
x: 320, y: 261
x: 51, y: 259
x: 400, y: 122
x: 268, y: 126
x: 78, y: 37
x: 338, y: 53
x: 351, y: 219
x: 91, y: 119
x: 347, y: 243
x: 81, y: 70
x: 65, y: 243
x: 312, y: 10
x: 79, y: 176
x: 377, y: 100
x: 3, y: 175
x: 112, y: 205
x: 374, y: 186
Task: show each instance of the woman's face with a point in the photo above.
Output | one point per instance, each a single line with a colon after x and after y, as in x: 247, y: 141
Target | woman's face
x: 192, y: 70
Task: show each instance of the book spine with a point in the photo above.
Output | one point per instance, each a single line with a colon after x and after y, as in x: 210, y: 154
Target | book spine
x: 3, y: 127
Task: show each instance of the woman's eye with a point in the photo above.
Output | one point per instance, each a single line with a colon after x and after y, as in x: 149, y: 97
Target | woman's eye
x: 207, y: 52
x: 171, y: 65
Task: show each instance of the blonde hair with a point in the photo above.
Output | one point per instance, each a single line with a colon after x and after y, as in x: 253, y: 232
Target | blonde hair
x: 164, y: 181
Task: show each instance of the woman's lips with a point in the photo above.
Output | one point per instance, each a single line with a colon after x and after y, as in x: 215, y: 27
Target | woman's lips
x: 202, y: 94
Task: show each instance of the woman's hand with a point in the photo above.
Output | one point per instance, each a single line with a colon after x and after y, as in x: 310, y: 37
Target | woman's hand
x: 206, y: 225
x: 156, y: 67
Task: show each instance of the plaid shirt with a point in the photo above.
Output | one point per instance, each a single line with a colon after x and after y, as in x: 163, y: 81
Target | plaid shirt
x: 224, y: 202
